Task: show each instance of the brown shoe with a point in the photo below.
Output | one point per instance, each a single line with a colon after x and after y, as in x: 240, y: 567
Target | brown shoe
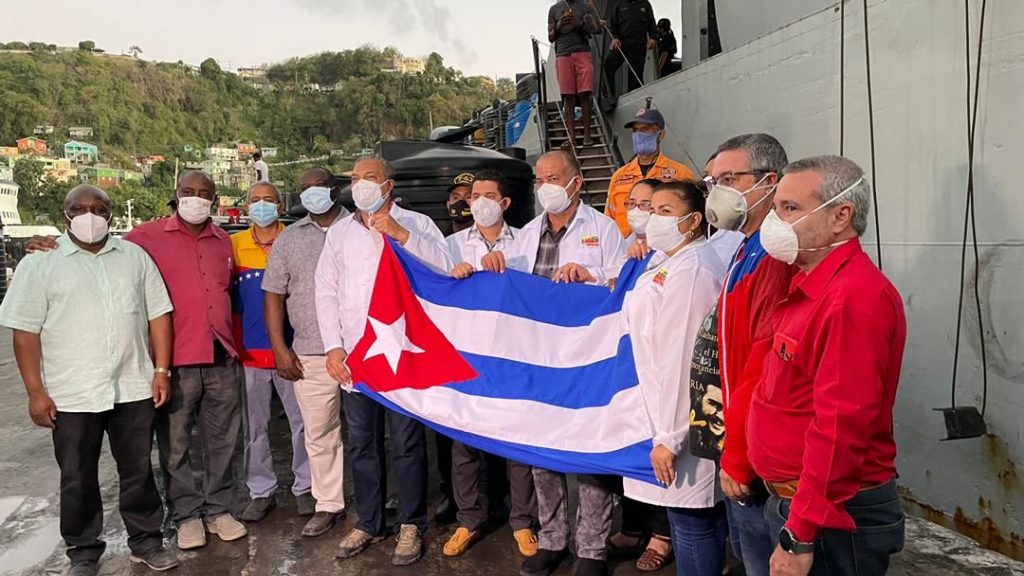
x: 355, y: 542
x: 652, y: 560
x: 320, y: 523
x: 227, y: 528
x: 410, y: 546
x: 459, y: 542
x: 191, y: 534
x: 527, y: 542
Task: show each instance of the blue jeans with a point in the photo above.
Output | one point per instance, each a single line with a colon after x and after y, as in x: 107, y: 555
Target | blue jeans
x: 698, y: 540
x: 866, y: 552
x: 752, y: 539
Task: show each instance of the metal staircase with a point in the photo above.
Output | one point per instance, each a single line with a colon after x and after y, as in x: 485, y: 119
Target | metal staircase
x: 596, y: 161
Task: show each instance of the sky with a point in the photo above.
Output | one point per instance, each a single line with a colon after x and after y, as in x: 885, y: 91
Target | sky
x: 482, y: 37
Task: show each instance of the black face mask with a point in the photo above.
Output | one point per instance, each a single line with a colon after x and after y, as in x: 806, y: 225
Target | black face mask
x: 460, y: 212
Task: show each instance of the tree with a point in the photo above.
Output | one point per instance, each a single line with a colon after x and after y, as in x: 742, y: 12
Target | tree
x: 135, y: 51
x: 87, y: 45
x: 17, y: 46
x: 3, y: 46
x: 210, y: 69
x: 37, y: 46
x: 41, y: 198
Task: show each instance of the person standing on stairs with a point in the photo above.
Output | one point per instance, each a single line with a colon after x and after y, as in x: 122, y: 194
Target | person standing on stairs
x: 648, y: 131
x: 570, y: 25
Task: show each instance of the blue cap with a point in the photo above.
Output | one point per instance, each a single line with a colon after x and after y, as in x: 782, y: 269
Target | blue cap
x: 645, y: 116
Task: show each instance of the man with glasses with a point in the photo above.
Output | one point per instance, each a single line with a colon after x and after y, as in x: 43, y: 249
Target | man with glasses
x: 743, y: 177
x: 648, y: 132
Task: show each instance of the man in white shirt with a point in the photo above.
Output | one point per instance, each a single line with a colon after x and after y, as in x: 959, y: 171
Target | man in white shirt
x: 262, y: 170
x: 488, y: 202
x: 344, y: 285
x: 569, y: 242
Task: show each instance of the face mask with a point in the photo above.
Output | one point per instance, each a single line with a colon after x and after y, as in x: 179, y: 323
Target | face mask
x: 554, y: 198
x: 88, y: 227
x: 726, y: 207
x: 663, y: 232
x: 317, y: 200
x: 645, y: 144
x: 194, y: 210
x: 460, y: 212
x: 368, y: 196
x: 263, y: 213
x: 638, y: 220
x: 779, y: 239
x: 486, y: 212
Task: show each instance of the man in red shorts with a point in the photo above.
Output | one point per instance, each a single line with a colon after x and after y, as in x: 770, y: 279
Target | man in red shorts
x: 570, y: 24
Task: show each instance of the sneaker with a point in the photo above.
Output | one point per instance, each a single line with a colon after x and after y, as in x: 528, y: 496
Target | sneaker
x: 545, y: 562
x: 305, y: 504
x: 589, y: 567
x: 227, y: 527
x: 191, y: 534
x: 355, y: 542
x: 84, y: 568
x: 526, y: 540
x: 157, y: 559
x: 410, y: 546
x: 258, y: 509
x: 320, y: 523
x: 459, y: 542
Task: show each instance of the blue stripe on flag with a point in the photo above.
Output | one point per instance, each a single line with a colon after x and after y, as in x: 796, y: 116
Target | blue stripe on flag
x: 567, y: 305
x: 631, y: 461
x: 577, y: 387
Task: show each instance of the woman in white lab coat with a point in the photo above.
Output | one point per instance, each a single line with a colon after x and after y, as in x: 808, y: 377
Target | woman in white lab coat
x: 665, y: 310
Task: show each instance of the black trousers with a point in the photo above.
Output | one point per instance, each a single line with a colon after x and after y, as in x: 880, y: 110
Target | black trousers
x: 639, y: 517
x: 77, y: 441
x: 636, y: 54
x: 518, y: 480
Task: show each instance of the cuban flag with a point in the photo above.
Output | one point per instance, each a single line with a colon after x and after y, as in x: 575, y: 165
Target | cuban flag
x: 511, y: 364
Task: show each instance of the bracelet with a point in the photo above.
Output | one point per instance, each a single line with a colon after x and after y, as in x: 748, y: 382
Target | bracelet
x: 164, y: 371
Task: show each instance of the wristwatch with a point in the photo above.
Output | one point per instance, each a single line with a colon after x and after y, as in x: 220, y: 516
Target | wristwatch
x: 789, y: 543
x: 164, y: 371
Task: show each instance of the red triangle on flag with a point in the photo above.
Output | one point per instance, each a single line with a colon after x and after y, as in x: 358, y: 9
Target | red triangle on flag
x: 409, y: 351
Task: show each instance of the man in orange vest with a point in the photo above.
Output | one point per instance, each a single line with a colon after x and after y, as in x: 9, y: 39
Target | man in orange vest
x: 648, y: 131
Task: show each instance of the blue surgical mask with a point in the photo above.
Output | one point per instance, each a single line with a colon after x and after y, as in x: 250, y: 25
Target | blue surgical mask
x: 263, y: 213
x: 317, y: 200
x: 645, y: 144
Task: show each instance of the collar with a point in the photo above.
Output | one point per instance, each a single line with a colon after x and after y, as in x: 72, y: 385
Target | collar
x: 173, y: 224
x: 813, y: 284
x: 307, y: 220
x: 546, y: 222
x: 506, y: 233
x: 68, y: 247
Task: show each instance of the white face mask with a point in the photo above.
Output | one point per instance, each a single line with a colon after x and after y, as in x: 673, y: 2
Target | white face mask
x: 727, y: 207
x: 194, y: 209
x: 367, y: 195
x: 663, y: 232
x: 89, y: 227
x: 779, y: 239
x: 638, y: 219
x: 486, y: 212
x: 553, y: 198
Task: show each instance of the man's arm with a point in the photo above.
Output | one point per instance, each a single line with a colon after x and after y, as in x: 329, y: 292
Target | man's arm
x: 428, y: 244
x: 161, y: 338
x: 287, y: 362
x: 28, y: 352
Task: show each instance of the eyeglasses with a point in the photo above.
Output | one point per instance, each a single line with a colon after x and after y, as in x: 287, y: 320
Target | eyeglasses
x: 730, y: 178
x: 643, y: 205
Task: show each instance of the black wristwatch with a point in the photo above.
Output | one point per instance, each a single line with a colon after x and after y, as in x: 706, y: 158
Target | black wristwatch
x: 789, y: 543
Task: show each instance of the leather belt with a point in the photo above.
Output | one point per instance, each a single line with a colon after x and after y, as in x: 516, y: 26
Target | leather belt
x: 787, y: 490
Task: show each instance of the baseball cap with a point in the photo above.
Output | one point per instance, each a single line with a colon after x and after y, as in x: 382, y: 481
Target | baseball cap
x: 464, y: 179
x: 645, y: 116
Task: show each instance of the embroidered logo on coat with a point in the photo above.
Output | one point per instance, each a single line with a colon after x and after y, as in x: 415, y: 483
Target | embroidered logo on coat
x: 660, y: 277
x: 591, y: 241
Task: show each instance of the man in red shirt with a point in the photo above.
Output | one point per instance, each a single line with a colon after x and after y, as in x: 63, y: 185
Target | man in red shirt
x: 195, y: 258
x: 820, y: 426
x: 743, y: 177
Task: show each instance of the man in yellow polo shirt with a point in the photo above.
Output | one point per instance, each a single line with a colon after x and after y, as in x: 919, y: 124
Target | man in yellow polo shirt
x: 648, y: 131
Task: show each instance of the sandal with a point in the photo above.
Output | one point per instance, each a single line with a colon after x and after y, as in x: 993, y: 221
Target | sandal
x: 639, y: 544
x: 652, y: 560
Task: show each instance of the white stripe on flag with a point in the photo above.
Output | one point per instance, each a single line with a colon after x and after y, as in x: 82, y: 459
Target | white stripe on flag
x: 500, y: 335
x: 623, y: 422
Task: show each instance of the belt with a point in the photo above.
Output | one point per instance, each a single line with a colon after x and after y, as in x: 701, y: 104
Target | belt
x: 787, y: 490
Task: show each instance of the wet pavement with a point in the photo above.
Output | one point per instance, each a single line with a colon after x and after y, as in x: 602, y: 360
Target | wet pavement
x: 30, y: 543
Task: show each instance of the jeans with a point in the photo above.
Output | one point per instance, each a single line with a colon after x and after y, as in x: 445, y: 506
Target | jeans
x: 866, y: 552
x: 366, y: 452
x: 77, y: 442
x: 698, y: 540
x: 753, y: 539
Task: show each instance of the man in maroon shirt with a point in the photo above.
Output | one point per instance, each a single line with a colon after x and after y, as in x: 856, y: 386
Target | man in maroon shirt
x: 820, y: 427
x: 194, y: 257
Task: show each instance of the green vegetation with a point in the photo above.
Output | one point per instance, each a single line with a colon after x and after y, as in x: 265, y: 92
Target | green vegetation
x: 313, y: 105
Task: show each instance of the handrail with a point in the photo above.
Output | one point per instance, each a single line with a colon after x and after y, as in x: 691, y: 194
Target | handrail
x: 542, y: 97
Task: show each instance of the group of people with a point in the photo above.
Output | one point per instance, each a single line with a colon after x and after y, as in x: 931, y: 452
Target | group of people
x: 767, y: 346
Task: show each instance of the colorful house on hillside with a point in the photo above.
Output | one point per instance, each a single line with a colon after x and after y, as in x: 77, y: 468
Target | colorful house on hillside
x: 32, y: 145
x: 6, y: 172
x: 60, y: 169
x: 80, y: 132
x: 81, y: 152
x: 9, y: 151
x: 246, y: 149
x: 9, y: 202
x: 217, y: 152
x: 104, y: 177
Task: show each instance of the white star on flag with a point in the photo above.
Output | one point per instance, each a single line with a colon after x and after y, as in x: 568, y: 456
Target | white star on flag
x: 391, y: 342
